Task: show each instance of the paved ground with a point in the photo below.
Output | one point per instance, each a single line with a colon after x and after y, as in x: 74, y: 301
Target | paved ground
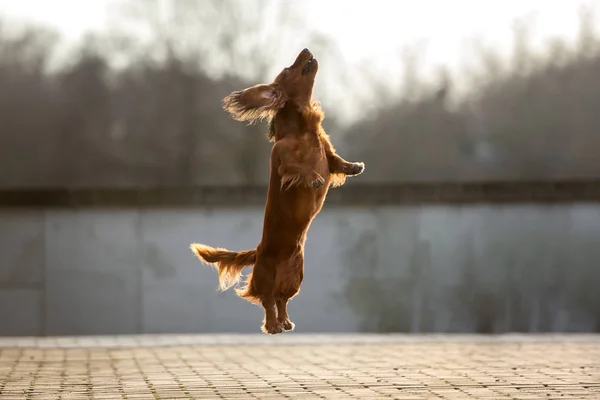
x: 301, y: 366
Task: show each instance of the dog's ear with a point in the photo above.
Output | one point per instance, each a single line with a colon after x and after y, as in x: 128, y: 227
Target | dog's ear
x: 254, y: 103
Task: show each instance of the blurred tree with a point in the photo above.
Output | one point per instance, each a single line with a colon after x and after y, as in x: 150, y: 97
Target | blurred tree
x: 82, y: 150
x: 194, y: 40
x: 129, y: 112
x: 242, y: 38
x: 28, y: 113
x: 530, y: 118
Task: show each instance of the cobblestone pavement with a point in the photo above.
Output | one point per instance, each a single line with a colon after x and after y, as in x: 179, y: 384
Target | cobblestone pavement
x: 301, y: 366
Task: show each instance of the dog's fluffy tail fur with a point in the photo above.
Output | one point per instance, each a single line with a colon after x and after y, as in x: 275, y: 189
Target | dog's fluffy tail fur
x: 229, y: 264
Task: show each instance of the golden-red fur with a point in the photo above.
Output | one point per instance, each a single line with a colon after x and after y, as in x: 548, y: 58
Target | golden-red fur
x: 304, y: 165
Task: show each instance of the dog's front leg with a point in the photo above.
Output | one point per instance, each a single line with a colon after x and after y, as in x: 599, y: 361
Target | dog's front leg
x: 337, y: 165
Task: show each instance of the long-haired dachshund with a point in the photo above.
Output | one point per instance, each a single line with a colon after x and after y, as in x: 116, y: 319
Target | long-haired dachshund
x: 304, y: 165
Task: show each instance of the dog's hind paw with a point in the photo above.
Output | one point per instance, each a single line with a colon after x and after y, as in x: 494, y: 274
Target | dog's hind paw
x: 288, y: 325
x: 271, y: 329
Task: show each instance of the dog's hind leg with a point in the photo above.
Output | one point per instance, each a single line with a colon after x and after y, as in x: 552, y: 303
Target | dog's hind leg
x: 287, y: 285
x: 282, y: 315
x: 263, y: 281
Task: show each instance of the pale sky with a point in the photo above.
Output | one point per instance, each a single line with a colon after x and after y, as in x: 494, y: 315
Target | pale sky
x: 444, y: 24
x: 370, y: 31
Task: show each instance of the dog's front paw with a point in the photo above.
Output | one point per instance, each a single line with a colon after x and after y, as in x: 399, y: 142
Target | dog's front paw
x: 288, y: 325
x: 356, y: 168
x: 318, y: 182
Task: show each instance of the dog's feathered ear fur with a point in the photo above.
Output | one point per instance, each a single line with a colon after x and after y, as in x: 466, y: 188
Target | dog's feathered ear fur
x: 255, y: 103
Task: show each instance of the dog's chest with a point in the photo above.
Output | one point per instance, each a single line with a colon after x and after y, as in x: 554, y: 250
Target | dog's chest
x: 314, y: 154
x: 321, y: 165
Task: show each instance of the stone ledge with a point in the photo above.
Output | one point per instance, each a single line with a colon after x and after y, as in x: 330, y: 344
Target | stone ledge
x: 350, y: 194
x: 149, y: 340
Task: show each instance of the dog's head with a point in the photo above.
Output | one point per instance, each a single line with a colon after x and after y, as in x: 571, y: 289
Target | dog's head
x: 297, y: 80
x: 294, y: 84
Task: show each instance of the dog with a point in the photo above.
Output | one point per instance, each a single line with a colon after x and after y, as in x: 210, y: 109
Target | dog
x: 303, y: 166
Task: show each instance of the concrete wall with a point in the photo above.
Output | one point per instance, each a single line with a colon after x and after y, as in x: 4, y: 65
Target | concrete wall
x: 433, y: 268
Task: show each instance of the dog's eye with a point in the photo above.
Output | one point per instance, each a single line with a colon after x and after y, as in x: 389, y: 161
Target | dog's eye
x: 287, y: 70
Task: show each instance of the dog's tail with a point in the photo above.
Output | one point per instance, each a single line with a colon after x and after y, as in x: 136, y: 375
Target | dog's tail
x: 229, y: 264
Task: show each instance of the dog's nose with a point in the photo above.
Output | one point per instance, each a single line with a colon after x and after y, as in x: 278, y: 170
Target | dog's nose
x: 305, y: 50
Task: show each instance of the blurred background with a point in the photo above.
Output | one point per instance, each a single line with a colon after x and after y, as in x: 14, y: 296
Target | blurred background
x: 479, y: 210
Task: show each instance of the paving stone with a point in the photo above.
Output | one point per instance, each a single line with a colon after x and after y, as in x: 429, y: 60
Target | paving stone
x: 301, y: 366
